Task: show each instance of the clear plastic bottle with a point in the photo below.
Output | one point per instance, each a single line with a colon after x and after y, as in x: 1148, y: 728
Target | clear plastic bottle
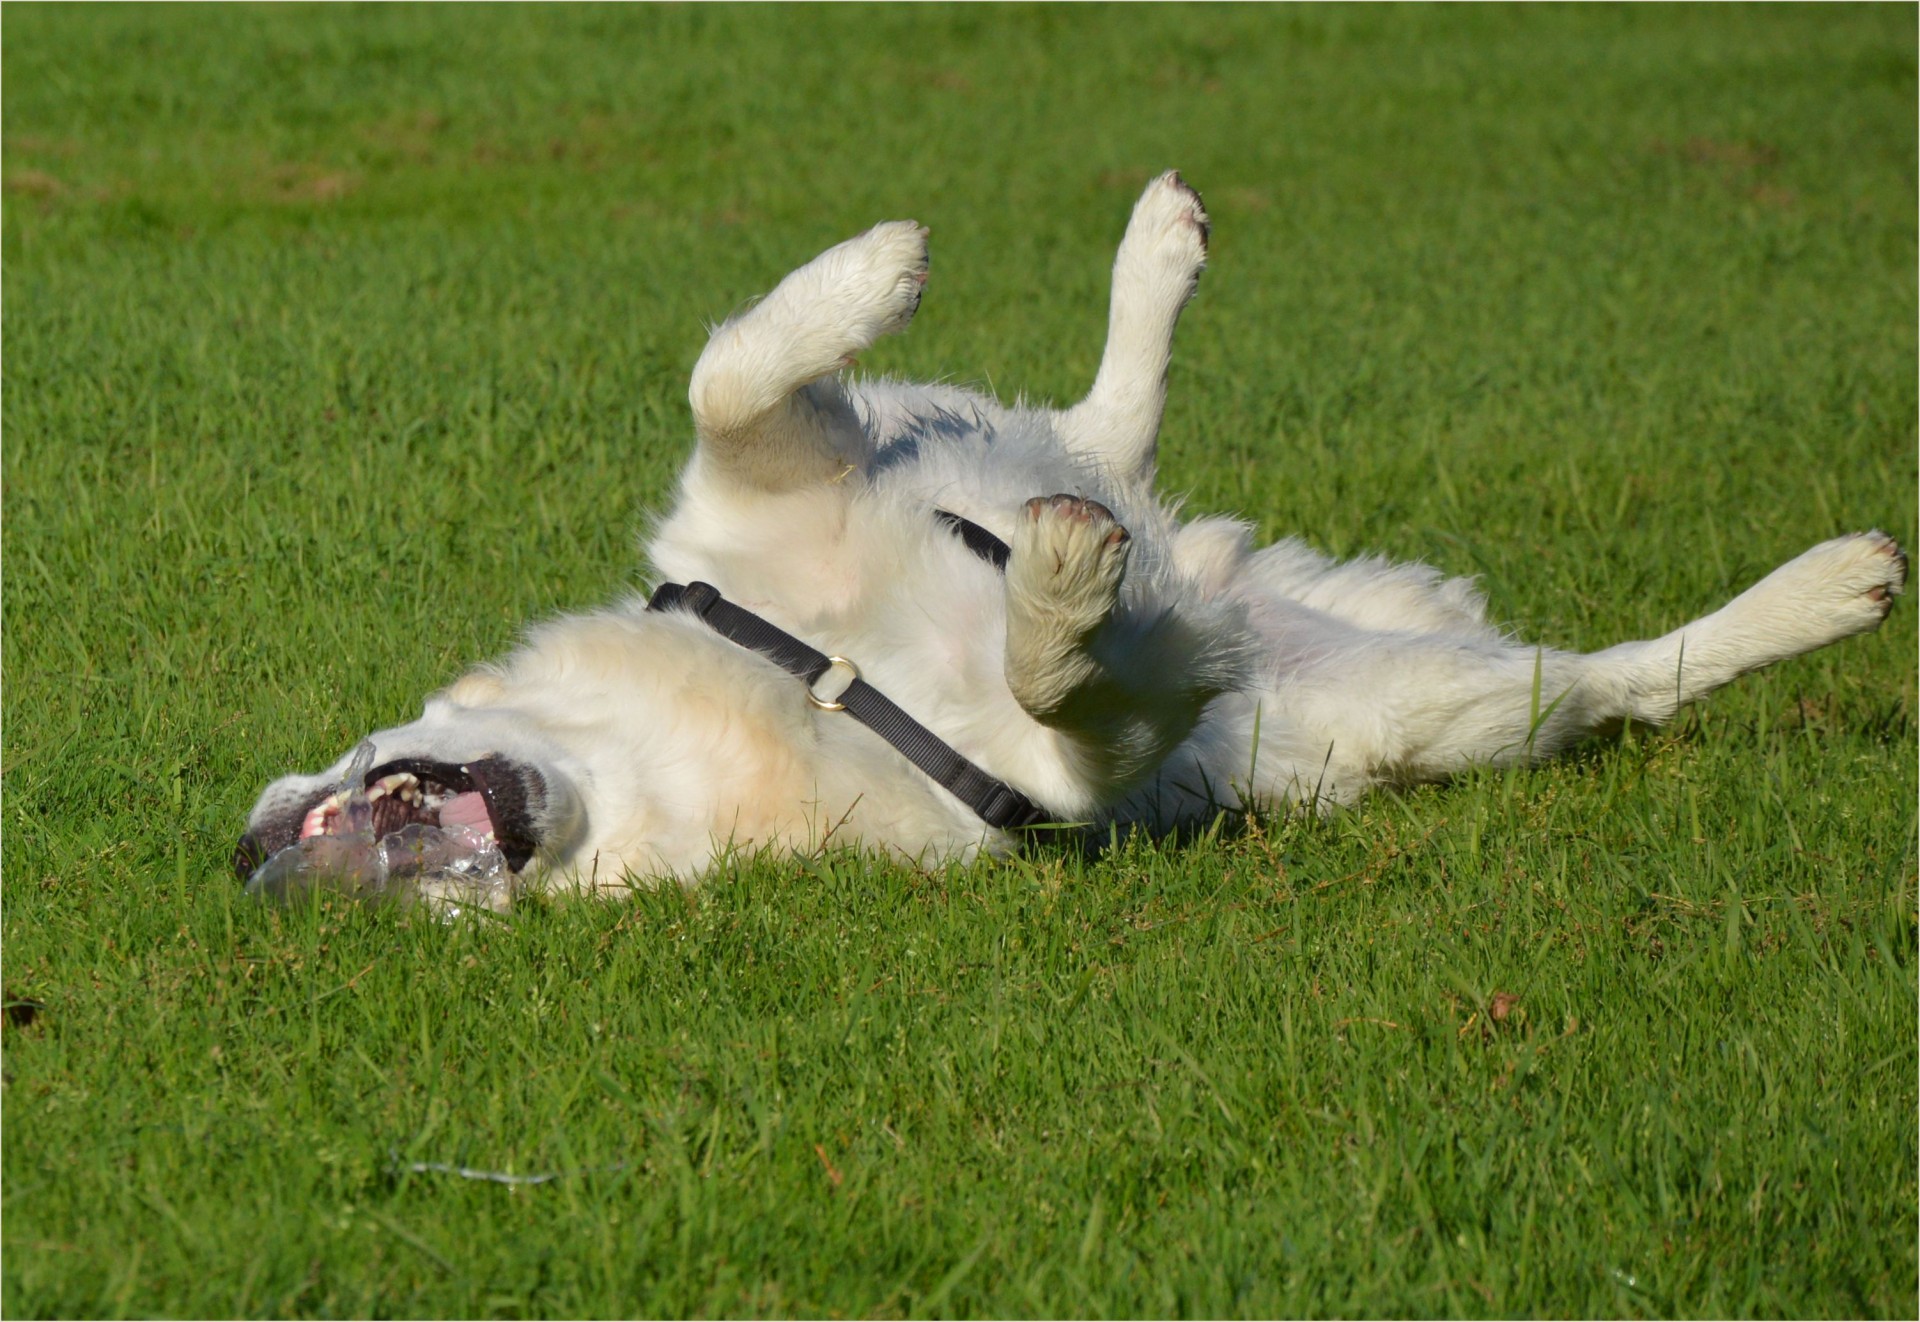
x: 451, y: 870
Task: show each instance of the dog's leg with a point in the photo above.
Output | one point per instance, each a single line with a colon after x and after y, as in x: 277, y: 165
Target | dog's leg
x: 767, y: 409
x: 1063, y: 582
x: 1835, y: 590
x: 1124, y: 686
x: 1401, y: 708
x: 1154, y: 275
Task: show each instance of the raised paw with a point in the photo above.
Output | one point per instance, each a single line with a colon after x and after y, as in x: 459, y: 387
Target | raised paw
x: 1166, y: 239
x: 1073, y: 541
x: 871, y: 285
x: 815, y: 323
x: 1063, y: 581
x: 1155, y: 273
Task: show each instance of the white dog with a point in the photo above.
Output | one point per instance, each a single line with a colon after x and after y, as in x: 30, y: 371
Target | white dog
x: 1021, y: 656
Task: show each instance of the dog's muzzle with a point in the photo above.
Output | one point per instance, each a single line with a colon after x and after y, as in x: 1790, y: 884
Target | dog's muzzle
x: 416, y: 790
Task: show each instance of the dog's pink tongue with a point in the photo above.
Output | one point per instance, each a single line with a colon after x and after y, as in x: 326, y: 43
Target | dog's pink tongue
x: 468, y: 810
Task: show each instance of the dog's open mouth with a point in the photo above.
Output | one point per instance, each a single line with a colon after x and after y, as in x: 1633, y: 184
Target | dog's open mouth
x: 491, y: 798
x: 408, y: 793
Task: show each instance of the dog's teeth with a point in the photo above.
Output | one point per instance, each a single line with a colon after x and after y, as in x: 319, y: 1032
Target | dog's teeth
x: 320, y: 820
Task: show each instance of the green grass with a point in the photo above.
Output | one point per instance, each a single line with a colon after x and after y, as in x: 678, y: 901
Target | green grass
x: 340, y: 342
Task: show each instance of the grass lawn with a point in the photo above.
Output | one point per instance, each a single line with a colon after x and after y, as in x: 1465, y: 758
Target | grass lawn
x: 339, y: 342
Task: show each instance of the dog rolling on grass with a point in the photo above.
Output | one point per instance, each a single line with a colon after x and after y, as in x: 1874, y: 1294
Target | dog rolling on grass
x: 915, y: 618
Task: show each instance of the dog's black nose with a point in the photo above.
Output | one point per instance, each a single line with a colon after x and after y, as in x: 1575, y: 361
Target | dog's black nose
x: 248, y: 856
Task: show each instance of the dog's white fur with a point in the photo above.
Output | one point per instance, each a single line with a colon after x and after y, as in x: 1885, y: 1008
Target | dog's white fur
x: 1123, y: 669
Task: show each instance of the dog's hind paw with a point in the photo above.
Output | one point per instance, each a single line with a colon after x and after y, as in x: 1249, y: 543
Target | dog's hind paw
x: 1884, y: 566
x: 1166, y: 240
x: 1860, y: 573
x: 1834, y: 590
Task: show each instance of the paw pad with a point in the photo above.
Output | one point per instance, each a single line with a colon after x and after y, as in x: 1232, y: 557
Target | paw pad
x: 1078, y: 509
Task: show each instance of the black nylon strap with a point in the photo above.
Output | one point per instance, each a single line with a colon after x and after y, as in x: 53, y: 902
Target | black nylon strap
x: 997, y: 803
x: 981, y: 542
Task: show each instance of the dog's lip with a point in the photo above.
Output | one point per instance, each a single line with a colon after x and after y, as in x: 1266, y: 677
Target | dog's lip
x: 505, y: 785
x: 450, y: 776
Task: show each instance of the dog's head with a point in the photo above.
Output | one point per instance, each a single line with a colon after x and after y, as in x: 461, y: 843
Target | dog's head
x: 492, y: 795
x: 618, y: 742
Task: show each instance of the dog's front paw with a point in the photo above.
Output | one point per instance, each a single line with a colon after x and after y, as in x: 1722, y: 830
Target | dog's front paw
x: 871, y: 284
x: 1071, y: 547
x: 1063, y: 581
x: 1069, y: 555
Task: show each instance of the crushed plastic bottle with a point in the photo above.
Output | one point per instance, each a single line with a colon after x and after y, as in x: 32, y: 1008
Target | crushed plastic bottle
x: 348, y: 865
x: 451, y: 870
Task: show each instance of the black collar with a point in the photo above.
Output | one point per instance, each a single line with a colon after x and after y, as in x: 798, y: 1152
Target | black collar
x: 997, y: 803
